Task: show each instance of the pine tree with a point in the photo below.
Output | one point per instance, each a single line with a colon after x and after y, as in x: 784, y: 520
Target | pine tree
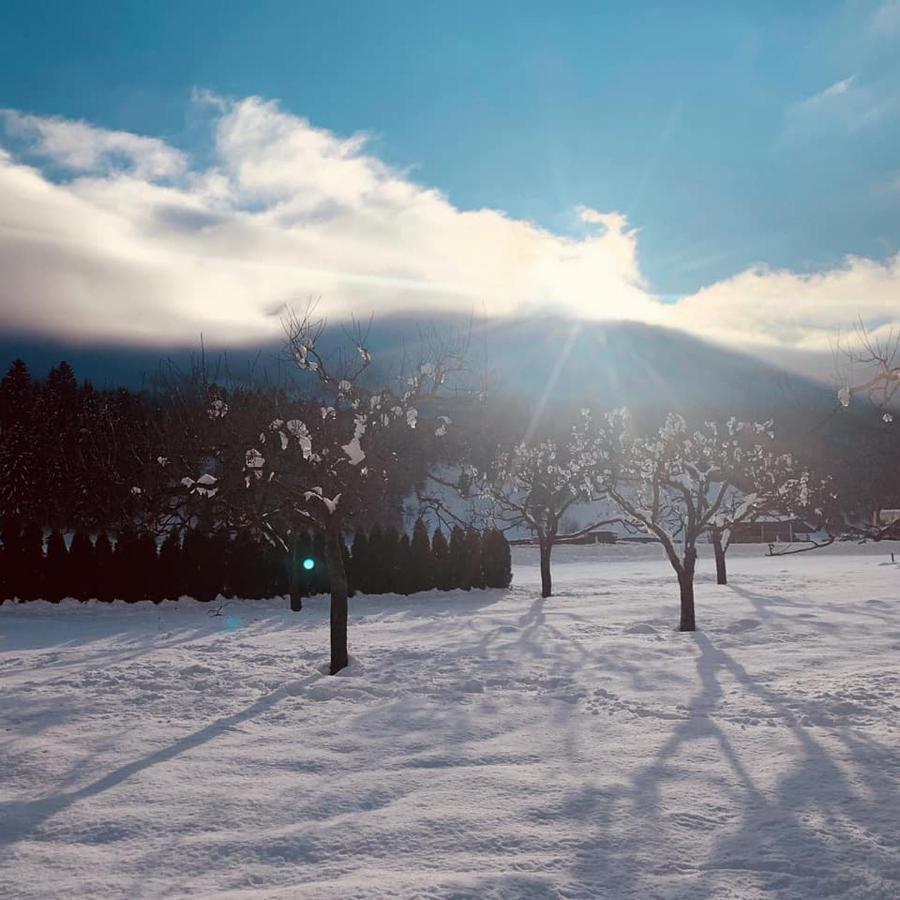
x: 473, y: 572
x: 496, y: 560
x: 56, y: 568
x: 375, y: 575
x: 104, y: 566
x: 147, y: 561
x: 458, y: 568
x: 58, y: 408
x: 233, y: 565
x: 208, y: 568
x: 203, y: 569
x: 170, y: 568
x: 10, y: 558
x: 219, y: 541
x: 32, y: 561
x: 405, y: 583
x: 191, y: 550
x: 241, y: 576
x: 390, y: 548
x: 16, y: 394
x: 276, y: 574
x: 125, y: 586
x: 440, y: 554
x: 422, y: 562
x: 20, y: 465
x: 82, y: 567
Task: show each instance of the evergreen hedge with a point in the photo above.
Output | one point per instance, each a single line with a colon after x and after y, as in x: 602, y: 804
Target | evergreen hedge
x: 206, y: 564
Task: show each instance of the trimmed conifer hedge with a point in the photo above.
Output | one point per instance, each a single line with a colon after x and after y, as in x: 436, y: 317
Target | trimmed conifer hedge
x: 204, y: 564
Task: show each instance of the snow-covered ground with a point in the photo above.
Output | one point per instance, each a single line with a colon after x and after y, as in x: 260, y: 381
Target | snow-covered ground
x: 481, y: 745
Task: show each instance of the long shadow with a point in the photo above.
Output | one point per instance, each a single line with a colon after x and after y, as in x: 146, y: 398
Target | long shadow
x: 18, y: 819
x: 817, y: 781
x: 105, y: 656
x: 763, y: 606
x: 774, y: 835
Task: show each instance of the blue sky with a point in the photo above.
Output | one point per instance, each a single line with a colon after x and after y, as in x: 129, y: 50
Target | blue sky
x: 731, y: 135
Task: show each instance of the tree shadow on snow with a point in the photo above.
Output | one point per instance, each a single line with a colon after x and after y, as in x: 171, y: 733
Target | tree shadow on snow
x: 812, y: 824
x: 19, y: 819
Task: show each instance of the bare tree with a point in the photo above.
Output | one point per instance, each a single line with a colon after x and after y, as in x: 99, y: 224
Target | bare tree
x: 762, y: 482
x: 534, y: 484
x: 869, y: 367
x: 678, y: 483
x: 328, y: 459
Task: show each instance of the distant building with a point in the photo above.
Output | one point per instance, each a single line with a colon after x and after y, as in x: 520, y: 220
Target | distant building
x: 592, y: 537
x: 889, y: 518
x: 771, y: 530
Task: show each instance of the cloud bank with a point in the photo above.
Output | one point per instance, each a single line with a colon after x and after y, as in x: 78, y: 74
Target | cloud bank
x: 112, y: 236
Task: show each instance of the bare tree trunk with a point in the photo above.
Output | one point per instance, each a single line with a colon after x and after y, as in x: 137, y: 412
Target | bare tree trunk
x: 546, y: 581
x: 719, y: 550
x: 292, y: 560
x: 338, y: 577
x: 686, y: 583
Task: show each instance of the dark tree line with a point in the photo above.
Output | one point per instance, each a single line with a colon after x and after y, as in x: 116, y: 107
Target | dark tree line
x: 204, y: 564
x: 73, y: 456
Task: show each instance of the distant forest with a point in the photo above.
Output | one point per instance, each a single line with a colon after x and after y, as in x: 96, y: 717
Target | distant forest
x: 87, y: 510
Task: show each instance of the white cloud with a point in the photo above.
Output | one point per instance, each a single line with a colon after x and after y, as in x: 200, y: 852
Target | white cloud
x: 800, y: 311
x: 838, y: 89
x: 81, y: 147
x: 848, y: 103
x: 142, y: 243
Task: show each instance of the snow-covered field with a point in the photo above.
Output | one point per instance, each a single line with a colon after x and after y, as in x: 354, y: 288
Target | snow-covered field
x: 481, y: 745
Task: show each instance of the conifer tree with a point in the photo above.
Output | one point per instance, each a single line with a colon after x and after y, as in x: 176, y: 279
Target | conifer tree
x: 56, y: 568
x: 208, y: 567
x: 104, y: 566
x: 242, y: 577
x: 219, y: 542
x: 237, y: 563
x: 261, y: 581
x: 473, y: 574
x: 32, y: 561
x: 58, y: 409
x: 125, y: 563
x: 440, y: 554
x: 375, y: 574
x: 16, y: 394
x: 81, y: 567
x: 191, y: 558
x: 359, y: 560
x: 458, y: 568
x: 422, y: 562
x: 146, y: 561
x: 10, y: 558
x: 496, y: 560
x: 390, y: 548
x: 20, y: 465
x: 171, y: 567
x: 201, y: 566
x: 276, y: 571
x: 405, y: 582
